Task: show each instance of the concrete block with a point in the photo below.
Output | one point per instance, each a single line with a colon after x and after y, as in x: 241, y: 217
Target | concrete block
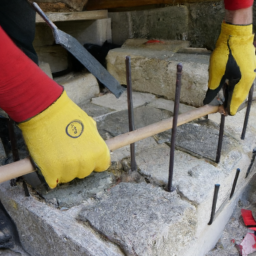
x: 111, y: 102
x: 80, y: 87
x: 56, y: 56
x: 142, y: 219
x: 165, y: 23
x: 88, y: 31
x: 46, y: 68
x: 155, y: 72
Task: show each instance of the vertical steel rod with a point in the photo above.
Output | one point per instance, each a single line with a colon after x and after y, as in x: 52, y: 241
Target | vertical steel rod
x: 130, y: 109
x: 214, y: 202
x: 234, y: 183
x: 15, y: 153
x: 221, y: 133
x: 247, y: 114
x: 174, y: 127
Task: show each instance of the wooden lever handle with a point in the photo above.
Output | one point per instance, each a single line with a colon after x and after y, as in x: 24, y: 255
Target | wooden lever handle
x: 22, y: 167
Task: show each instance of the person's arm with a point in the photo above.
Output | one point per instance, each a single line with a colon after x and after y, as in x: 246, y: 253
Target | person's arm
x: 62, y: 139
x: 233, y: 59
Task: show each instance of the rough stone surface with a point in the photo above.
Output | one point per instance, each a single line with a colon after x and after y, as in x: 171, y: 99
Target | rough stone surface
x: 80, y: 87
x: 8, y: 253
x: 204, y: 23
x: 163, y: 45
x: 47, y: 231
x: 78, y: 191
x: 142, y: 219
x: 155, y: 72
x: 92, y: 31
x: 164, y: 23
x: 111, y: 102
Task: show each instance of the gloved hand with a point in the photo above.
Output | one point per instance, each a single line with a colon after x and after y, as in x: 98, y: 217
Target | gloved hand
x: 233, y: 59
x: 61, y: 138
x: 64, y: 142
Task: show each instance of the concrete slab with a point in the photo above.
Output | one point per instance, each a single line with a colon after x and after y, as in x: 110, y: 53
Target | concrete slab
x: 80, y: 87
x: 142, y: 219
x: 155, y: 72
x: 111, y: 102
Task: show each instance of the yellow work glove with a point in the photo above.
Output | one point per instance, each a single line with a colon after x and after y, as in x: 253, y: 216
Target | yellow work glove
x: 64, y: 142
x: 233, y: 59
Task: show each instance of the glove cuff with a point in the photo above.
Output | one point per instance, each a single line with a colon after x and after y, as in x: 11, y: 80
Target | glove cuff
x: 236, y: 30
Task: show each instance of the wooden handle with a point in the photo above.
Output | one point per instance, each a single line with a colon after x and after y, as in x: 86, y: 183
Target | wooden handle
x: 22, y: 167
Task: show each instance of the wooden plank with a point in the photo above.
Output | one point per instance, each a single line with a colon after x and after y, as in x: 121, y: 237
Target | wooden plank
x: 111, y: 4
x: 71, y: 16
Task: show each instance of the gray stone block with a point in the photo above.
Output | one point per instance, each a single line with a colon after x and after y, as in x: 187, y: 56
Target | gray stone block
x: 166, y: 23
x: 143, y: 220
x: 46, y: 231
x: 155, y: 72
x: 80, y: 87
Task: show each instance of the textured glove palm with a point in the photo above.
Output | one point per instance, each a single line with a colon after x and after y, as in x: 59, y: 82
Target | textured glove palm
x: 64, y: 142
x: 233, y: 59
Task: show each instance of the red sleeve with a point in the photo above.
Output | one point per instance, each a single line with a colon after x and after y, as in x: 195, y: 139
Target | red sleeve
x: 237, y: 4
x: 25, y: 90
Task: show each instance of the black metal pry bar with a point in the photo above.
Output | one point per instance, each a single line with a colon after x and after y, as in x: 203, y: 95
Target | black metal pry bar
x: 174, y: 127
x: 81, y: 54
x: 221, y: 134
x: 234, y: 183
x: 214, y: 202
x: 247, y: 114
x: 130, y: 109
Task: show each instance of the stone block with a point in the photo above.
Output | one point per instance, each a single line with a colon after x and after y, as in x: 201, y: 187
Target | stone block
x: 164, y: 23
x: 45, y: 231
x: 88, y: 31
x: 155, y: 72
x: 56, y: 56
x: 163, y: 45
x: 142, y: 219
x: 77, y: 191
x: 80, y: 87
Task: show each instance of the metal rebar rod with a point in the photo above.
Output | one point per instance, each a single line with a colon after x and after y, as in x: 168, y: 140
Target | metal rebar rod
x: 214, y: 202
x: 247, y: 114
x: 221, y: 133
x: 130, y: 109
x: 174, y: 127
x: 234, y: 183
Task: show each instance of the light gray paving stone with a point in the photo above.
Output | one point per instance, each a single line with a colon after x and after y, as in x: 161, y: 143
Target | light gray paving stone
x: 111, y: 102
x: 143, y: 219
